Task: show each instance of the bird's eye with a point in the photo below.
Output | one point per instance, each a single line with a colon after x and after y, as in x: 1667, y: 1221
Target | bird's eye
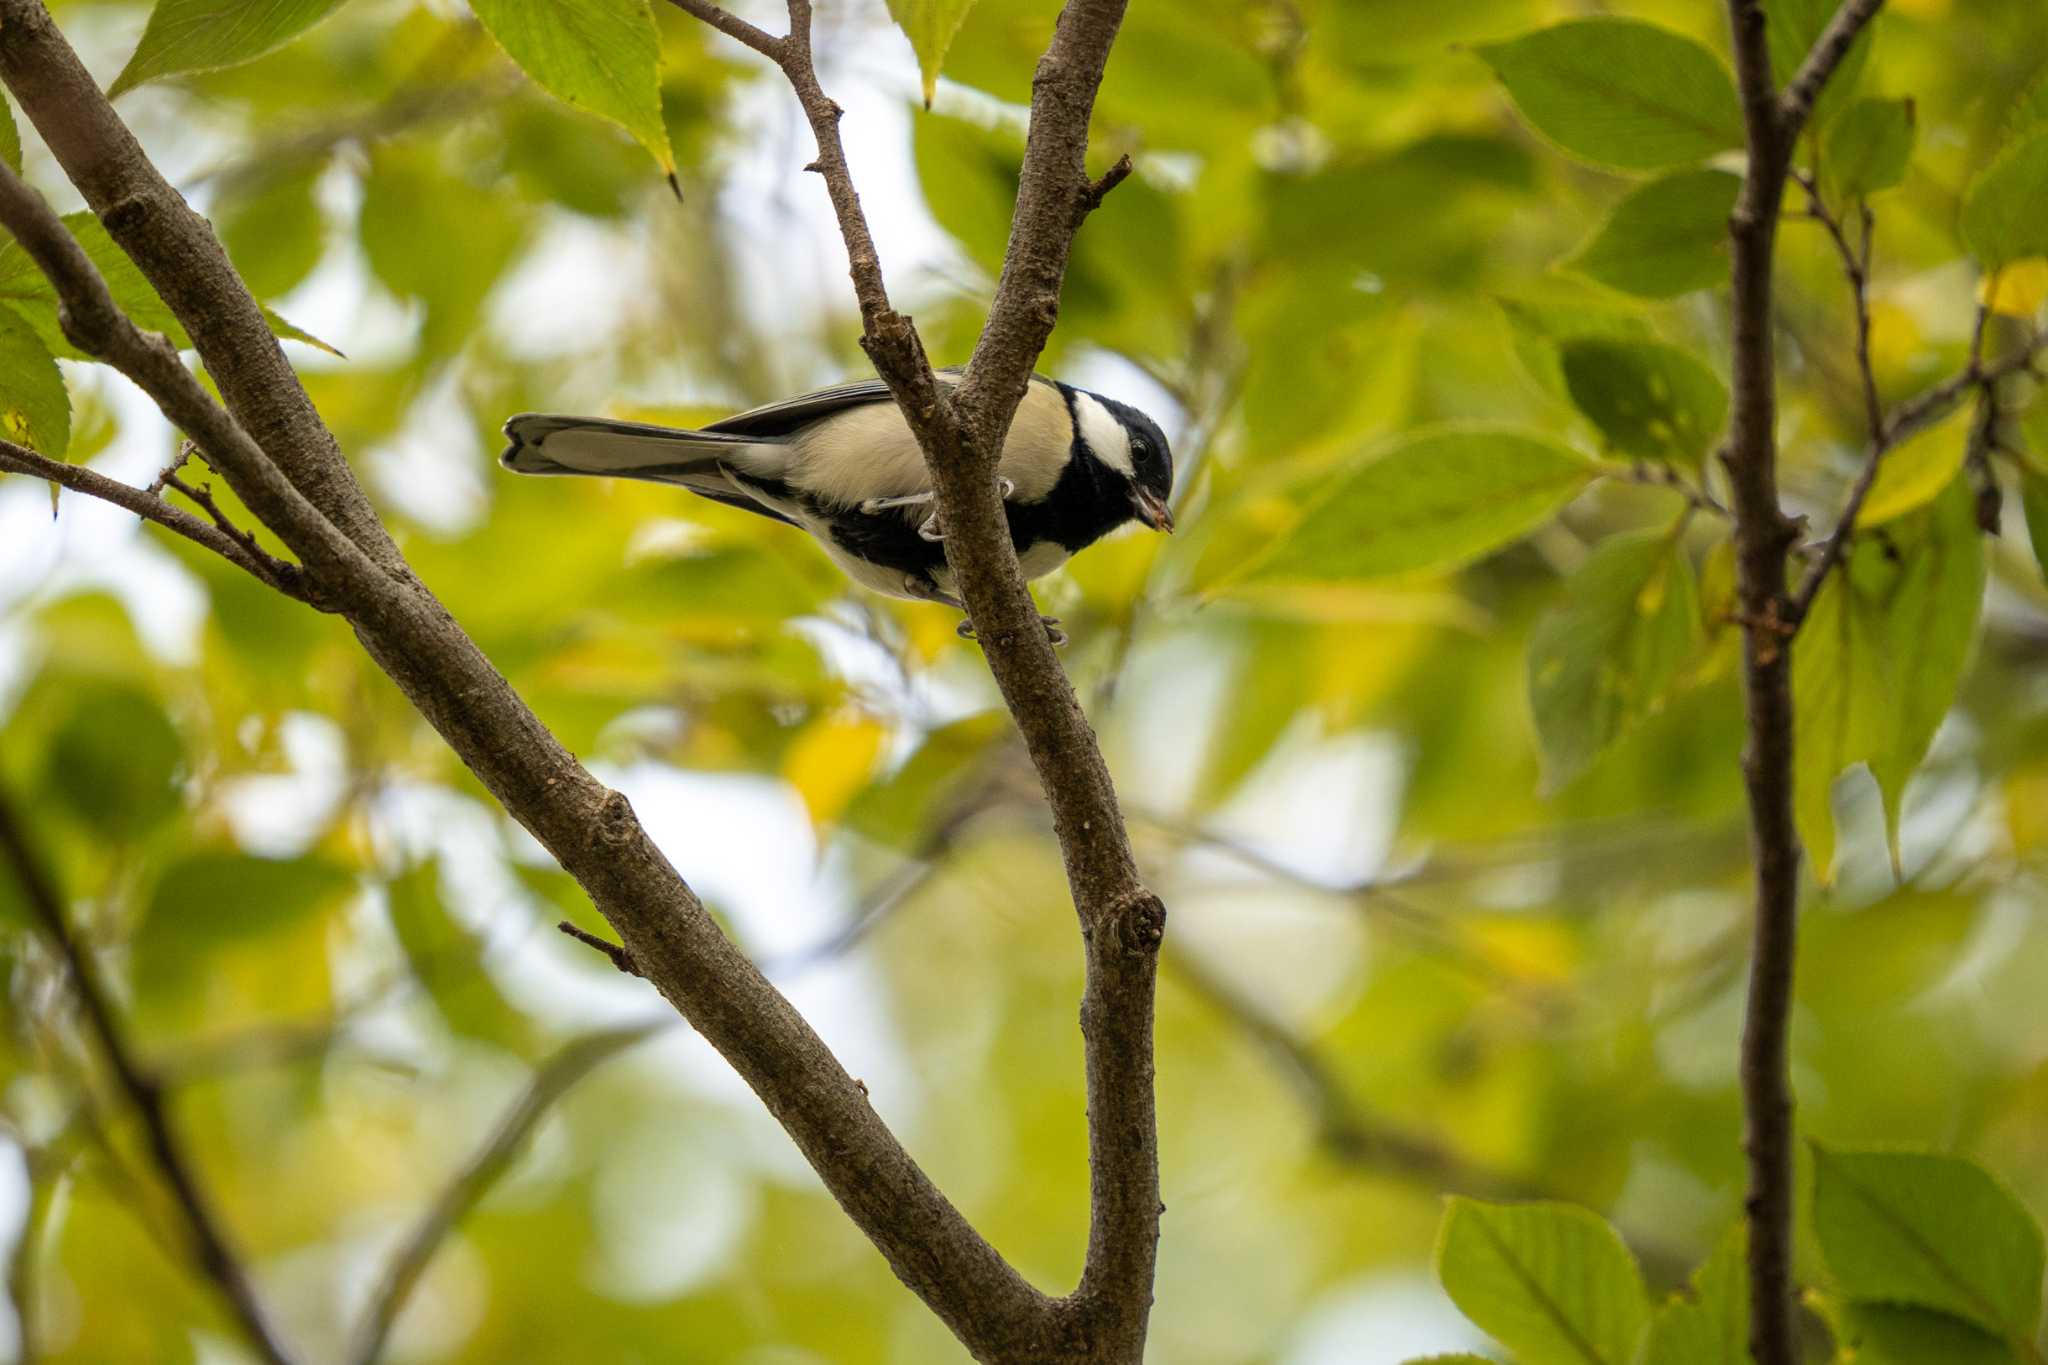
x: 1139, y: 449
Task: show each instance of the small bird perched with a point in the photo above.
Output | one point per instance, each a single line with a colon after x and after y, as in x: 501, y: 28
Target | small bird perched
x: 841, y: 463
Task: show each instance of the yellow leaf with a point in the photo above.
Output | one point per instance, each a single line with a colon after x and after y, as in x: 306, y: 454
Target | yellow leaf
x: 1918, y: 468
x: 830, y: 761
x: 2017, y: 289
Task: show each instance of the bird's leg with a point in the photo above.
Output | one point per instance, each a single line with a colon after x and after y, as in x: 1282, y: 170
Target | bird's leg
x: 929, y: 528
x: 1058, y: 637
x: 875, y: 506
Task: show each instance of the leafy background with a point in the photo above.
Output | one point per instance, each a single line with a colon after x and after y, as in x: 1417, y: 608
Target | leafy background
x: 1426, y: 721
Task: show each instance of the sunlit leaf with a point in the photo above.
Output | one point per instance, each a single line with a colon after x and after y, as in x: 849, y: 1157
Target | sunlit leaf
x: 1428, y: 502
x: 1868, y: 147
x: 1711, y: 1326
x: 447, y: 960
x: 1621, y: 93
x: 1551, y: 1282
x: 1606, y: 657
x: 35, y: 408
x: 599, y: 55
x: 1879, y: 658
x: 210, y: 899
x: 1650, y: 401
x: 830, y: 761
x: 205, y: 35
x: 1885, y: 1334
x: 2005, y: 212
x: 1917, y: 469
x: 930, y: 26
x: 1929, y: 1231
x: 1668, y: 238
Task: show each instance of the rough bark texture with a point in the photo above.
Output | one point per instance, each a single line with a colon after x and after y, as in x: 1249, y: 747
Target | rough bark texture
x: 270, y: 445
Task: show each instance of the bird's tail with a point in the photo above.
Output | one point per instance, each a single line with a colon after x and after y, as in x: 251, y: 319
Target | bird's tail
x: 542, y: 443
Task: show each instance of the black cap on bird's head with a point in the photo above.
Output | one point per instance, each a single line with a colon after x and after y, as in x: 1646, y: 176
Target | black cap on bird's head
x: 1151, y: 471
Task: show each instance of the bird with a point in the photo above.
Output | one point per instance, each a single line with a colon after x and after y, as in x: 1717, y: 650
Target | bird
x: 841, y: 464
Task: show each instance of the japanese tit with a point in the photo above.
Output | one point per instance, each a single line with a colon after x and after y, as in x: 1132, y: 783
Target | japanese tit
x: 841, y: 463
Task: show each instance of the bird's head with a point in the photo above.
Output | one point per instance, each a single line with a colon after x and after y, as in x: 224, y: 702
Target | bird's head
x: 1132, y: 445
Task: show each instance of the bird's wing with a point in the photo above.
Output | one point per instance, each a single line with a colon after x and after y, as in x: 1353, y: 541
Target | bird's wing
x: 781, y: 418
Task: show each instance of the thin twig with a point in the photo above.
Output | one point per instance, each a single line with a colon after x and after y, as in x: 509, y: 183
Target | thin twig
x: 210, y: 1246
x: 620, y: 957
x: 1828, y: 52
x: 555, y: 1077
x: 239, y: 549
x: 1763, y: 538
x: 1909, y: 417
x: 1855, y: 265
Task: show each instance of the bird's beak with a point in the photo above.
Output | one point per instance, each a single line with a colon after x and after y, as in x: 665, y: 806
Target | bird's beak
x: 1151, y: 509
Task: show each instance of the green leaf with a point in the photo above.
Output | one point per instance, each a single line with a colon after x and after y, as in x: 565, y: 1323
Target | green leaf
x: 447, y: 959
x: 1667, y: 238
x: 35, y: 408
x: 1882, y: 1334
x: 2034, y: 503
x: 1791, y: 28
x: 1712, y: 1326
x: 1913, y: 473
x: 1537, y: 327
x: 1932, y: 1232
x: 273, y: 229
x: 10, y: 137
x: 1551, y: 1282
x: 211, y: 899
x: 1608, y: 655
x: 1868, y: 147
x: 930, y: 26
x: 600, y: 55
x: 425, y: 240
x: 113, y: 761
x: 1621, y: 93
x: 1651, y: 401
x: 2005, y: 212
x: 206, y: 35
x: 1434, y: 501
x: 1880, y: 657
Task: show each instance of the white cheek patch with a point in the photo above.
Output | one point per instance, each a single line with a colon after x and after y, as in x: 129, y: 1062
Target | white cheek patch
x: 1104, y: 434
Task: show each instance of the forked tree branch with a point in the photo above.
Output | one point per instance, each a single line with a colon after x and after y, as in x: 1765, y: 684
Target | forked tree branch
x: 272, y: 447
x: 266, y: 568
x: 962, y: 434
x: 555, y: 1078
x: 210, y: 1246
x: 1763, y: 537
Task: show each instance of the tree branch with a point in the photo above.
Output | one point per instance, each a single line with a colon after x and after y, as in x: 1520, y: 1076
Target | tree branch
x: 209, y: 1242
x: 176, y: 249
x: 962, y: 434
x: 554, y: 1079
x: 1906, y: 419
x: 1828, y: 51
x: 223, y: 541
x: 590, y: 830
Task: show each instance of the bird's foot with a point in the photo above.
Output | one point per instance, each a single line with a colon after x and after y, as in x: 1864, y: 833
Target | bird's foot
x: 1053, y: 633
x: 876, y: 506
x: 930, y: 529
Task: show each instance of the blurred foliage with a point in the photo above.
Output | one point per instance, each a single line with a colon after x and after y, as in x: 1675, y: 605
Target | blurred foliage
x: 1427, y: 720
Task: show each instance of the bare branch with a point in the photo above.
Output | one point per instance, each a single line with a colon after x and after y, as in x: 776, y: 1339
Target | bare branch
x: 1828, y: 51
x: 555, y: 1078
x: 210, y: 1247
x: 1763, y: 536
x: 732, y: 26
x: 1909, y: 417
x: 238, y: 548
x: 1855, y: 265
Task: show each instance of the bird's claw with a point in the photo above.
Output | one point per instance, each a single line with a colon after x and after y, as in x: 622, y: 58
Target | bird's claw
x: 929, y: 528
x: 876, y: 506
x: 1053, y: 633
